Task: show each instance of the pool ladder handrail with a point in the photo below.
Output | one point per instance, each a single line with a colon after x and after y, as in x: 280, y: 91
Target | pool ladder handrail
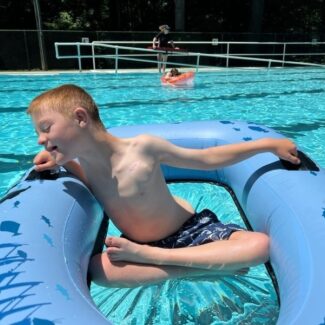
x: 151, y: 52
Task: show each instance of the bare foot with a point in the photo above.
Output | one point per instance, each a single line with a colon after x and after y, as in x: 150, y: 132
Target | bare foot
x: 122, y: 249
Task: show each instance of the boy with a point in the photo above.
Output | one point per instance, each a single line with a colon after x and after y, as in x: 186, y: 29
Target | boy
x: 125, y: 177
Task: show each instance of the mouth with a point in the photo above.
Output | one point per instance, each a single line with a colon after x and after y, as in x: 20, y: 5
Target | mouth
x: 51, y: 149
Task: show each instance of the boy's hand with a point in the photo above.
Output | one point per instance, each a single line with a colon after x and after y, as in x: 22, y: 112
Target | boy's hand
x: 44, y: 161
x: 287, y: 150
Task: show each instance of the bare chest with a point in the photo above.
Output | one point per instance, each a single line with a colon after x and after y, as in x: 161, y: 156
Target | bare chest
x: 124, y: 182
x: 135, y: 177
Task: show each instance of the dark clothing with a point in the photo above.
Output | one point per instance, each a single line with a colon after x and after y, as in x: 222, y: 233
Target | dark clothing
x: 163, y: 39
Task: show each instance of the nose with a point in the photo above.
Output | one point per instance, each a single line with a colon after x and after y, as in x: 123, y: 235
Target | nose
x: 41, y: 139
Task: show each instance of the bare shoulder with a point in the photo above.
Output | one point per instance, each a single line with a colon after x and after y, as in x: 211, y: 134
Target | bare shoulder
x: 150, y: 143
x: 147, y: 140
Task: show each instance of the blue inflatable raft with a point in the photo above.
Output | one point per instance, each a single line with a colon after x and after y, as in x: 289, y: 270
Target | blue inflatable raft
x: 49, y: 224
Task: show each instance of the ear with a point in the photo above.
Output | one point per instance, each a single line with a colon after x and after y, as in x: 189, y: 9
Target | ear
x: 81, y: 116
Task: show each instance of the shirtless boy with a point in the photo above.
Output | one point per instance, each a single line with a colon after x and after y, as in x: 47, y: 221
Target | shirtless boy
x: 125, y: 177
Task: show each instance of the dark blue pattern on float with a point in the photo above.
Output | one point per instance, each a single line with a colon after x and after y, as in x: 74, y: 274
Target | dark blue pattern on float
x: 14, y: 261
x: 38, y: 276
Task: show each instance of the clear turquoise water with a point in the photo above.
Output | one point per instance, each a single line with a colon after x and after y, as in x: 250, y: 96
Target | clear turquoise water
x: 289, y: 100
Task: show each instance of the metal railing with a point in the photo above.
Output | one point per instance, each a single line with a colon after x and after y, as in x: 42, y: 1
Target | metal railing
x: 146, y: 53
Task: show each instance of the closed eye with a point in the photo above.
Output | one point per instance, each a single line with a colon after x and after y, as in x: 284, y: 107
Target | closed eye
x: 45, y: 128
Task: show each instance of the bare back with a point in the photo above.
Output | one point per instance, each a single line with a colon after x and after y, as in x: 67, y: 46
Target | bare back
x: 133, y: 192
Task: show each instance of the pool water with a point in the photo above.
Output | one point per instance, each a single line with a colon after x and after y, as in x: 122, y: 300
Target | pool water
x: 289, y: 100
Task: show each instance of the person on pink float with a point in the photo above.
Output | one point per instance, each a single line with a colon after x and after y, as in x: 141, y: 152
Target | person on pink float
x: 172, y: 73
x: 163, y: 236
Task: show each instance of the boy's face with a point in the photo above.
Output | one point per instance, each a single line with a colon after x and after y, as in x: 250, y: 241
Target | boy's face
x: 59, y: 134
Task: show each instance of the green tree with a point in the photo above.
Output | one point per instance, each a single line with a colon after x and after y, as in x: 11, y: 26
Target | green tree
x: 236, y: 16
x: 179, y: 15
x: 294, y: 16
x: 256, y: 20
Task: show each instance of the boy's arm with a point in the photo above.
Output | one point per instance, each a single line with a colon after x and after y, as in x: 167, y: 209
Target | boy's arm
x: 44, y: 161
x: 216, y: 157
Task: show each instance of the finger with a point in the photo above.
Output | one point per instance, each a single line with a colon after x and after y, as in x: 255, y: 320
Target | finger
x: 291, y: 158
x: 38, y: 159
x: 295, y: 160
x: 41, y: 157
x: 42, y: 167
x: 294, y: 156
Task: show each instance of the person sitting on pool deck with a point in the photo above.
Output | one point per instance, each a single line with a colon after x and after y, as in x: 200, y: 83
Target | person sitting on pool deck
x: 126, y: 178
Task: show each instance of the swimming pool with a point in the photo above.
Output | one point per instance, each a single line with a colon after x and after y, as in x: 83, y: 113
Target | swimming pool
x: 289, y: 100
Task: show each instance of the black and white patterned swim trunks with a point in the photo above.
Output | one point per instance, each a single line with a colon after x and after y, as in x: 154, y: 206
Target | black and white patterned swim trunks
x: 204, y: 227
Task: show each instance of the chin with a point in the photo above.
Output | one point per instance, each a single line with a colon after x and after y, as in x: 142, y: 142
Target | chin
x: 59, y: 159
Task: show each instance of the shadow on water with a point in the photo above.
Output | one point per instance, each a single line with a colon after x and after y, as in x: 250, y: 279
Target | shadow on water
x: 299, y: 129
x: 202, y: 85
x: 14, y: 162
x: 152, y: 102
x: 232, y: 97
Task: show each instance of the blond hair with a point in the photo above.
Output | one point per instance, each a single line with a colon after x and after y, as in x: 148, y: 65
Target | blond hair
x: 65, y: 99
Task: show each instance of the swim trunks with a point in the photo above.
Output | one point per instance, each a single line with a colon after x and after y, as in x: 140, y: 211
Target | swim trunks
x: 204, y: 227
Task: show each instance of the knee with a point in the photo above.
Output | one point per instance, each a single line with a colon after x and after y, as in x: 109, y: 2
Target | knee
x: 99, y: 271
x: 103, y: 273
x: 96, y: 270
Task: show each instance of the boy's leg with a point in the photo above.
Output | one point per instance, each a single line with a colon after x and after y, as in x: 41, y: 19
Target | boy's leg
x: 242, y: 249
x: 125, y: 274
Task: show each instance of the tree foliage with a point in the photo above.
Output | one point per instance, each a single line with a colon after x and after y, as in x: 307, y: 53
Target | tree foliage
x: 146, y: 15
